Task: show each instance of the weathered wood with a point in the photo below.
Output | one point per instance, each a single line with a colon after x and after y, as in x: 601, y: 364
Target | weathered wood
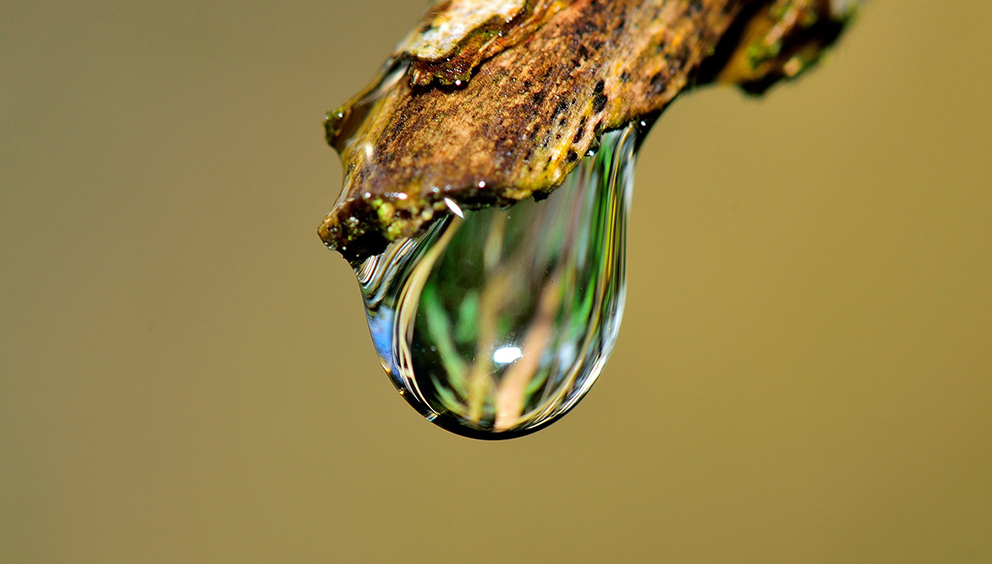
x: 489, y: 102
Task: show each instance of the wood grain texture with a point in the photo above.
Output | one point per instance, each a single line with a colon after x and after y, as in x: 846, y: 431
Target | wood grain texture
x: 508, y: 112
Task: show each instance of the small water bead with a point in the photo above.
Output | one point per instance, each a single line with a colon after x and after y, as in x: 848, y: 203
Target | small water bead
x: 494, y: 323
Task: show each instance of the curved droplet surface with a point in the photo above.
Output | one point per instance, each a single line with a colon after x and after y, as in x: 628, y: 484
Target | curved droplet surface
x: 494, y: 323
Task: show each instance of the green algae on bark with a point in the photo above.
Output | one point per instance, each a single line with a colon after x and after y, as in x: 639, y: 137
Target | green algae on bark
x: 489, y: 102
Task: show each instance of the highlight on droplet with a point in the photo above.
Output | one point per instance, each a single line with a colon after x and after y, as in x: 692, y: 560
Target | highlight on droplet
x: 506, y: 355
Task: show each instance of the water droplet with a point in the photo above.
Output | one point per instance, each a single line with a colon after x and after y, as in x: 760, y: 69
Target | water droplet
x: 340, y: 125
x: 496, y: 323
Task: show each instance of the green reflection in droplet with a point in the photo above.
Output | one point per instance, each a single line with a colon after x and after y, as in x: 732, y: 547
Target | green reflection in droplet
x: 496, y: 323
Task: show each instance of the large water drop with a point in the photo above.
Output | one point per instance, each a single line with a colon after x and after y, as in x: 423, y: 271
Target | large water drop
x: 494, y: 323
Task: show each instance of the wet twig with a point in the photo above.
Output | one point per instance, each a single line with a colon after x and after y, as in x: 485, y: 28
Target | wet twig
x: 489, y: 102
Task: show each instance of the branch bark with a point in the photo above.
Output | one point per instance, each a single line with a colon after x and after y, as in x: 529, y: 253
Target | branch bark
x: 489, y: 102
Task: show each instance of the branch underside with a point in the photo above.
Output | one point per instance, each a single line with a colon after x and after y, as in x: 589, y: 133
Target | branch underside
x: 515, y: 100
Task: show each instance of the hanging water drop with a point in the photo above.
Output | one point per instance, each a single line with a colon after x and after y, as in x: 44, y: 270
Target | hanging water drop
x: 494, y: 323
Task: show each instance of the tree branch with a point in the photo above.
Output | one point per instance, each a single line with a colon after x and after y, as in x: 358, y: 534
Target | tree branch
x: 489, y: 102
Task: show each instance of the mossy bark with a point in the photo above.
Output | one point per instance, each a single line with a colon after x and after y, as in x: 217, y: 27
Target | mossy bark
x: 489, y: 102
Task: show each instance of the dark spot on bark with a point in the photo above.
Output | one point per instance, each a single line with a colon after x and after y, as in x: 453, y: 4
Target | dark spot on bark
x: 571, y: 157
x: 588, y: 27
x: 580, y: 131
x: 599, y: 87
x: 599, y: 102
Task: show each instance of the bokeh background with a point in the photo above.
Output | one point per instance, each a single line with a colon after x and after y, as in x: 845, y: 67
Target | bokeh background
x: 804, y: 373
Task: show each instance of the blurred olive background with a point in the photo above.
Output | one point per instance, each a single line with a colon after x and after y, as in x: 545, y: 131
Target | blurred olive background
x: 804, y: 373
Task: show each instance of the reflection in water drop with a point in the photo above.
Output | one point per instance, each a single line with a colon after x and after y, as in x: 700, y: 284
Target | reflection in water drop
x: 494, y: 323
